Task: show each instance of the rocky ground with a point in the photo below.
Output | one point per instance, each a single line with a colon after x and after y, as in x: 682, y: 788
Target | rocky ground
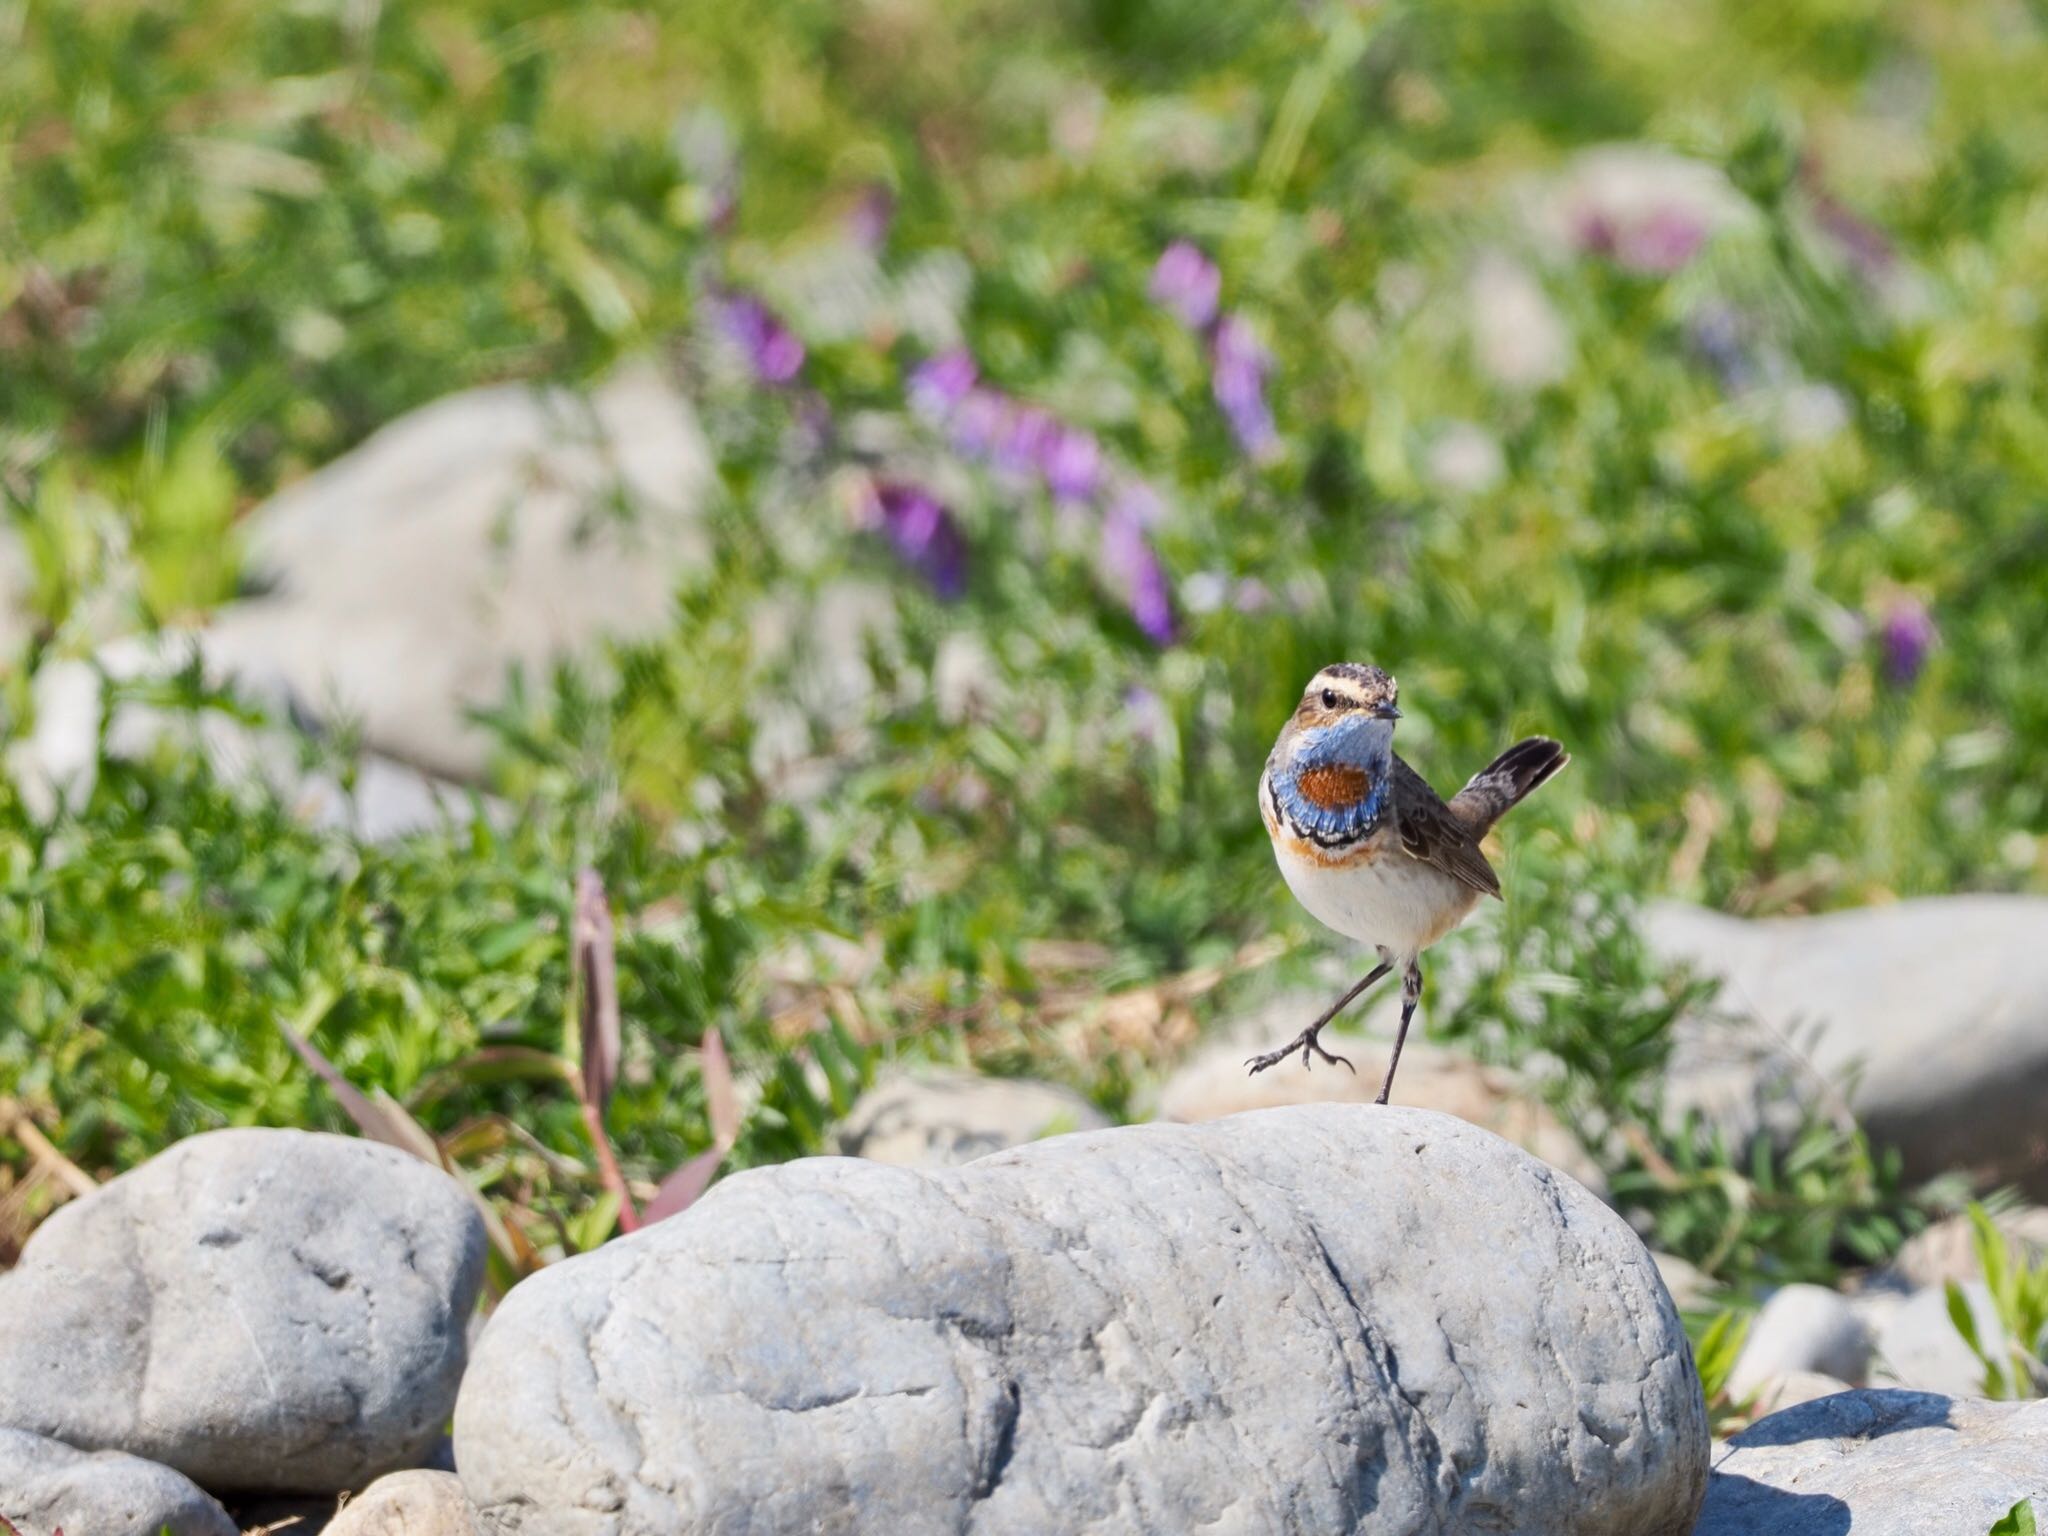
x: 1267, y: 1321
x: 1156, y: 1328
x: 1309, y: 1317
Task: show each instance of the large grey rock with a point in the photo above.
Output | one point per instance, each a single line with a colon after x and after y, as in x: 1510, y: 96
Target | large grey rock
x: 1880, y: 1464
x: 942, y: 1119
x: 55, y: 764
x: 1273, y: 1322
x: 503, y: 527
x: 258, y: 1309
x: 1933, y: 1014
x: 1691, y: 1287
x: 47, y: 1486
x: 1801, y: 1328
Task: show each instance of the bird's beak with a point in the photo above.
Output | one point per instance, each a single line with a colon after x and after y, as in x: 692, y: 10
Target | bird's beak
x: 1387, y: 712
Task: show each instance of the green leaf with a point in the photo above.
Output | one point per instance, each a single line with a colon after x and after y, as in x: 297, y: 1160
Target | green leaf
x: 2017, y: 1521
x: 1719, y: 1348
x: 1966, y: 1323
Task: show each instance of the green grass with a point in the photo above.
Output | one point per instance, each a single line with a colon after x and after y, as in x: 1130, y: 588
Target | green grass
x: 234, y: 239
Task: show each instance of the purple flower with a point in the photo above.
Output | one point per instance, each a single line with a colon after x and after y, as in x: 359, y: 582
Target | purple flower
x: 771, y: 351
x: 1027, y: 439
x: 1187, y: 282
x: 924, y: 535
x: 867, y: 224
x: 980, y: 422
x: 1072, y: 464
x: 1662, y: 243
x: 939, y: 385
x: 1136, y: 499
x: 1658, y: 243
x: 1135, y: 567
x: 1238, y: 377
x: 1907, y: 636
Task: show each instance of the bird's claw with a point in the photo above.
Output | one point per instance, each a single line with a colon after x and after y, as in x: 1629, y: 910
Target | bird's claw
x: 1313, y: 1044
x: 1310, y: 1048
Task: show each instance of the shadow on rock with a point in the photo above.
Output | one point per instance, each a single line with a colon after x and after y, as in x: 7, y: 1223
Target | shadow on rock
x: 1741, y: 1504
x: 1851, y: 1415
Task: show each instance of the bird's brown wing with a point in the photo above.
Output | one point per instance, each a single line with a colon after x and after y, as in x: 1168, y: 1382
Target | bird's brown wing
x: 1432, y: 832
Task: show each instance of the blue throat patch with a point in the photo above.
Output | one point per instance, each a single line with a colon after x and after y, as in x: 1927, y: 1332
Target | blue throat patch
x: 1350, y: 743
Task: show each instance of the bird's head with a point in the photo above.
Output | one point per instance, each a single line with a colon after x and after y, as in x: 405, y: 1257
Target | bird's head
x: 1347, y: 693
x: 1347, y: 712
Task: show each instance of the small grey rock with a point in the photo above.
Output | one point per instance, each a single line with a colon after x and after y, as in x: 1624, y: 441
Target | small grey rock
x: 263, y: 1310
x: 48, y: 1486
x: 1320, y: 1318
x: 1796, y: 1387
x: 407, y: 1504
x: 1918, y: 1346
x: 1801, y: 1328
x: 944, y: 1119
x: 1879, y: 1463
x: 1948, y: 1249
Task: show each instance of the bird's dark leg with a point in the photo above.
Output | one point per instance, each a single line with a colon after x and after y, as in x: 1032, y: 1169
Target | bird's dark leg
x: 1306, y: 1042
x: 1411, y: 994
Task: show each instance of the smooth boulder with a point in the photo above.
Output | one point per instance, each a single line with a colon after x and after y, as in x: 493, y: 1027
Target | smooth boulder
x: 262, y: 1310
x: 1321, y: 1318
x: 1933, y: 1014
x: 1880, y: 1463
x: 1801, y: 1328
x: 47, y: 1486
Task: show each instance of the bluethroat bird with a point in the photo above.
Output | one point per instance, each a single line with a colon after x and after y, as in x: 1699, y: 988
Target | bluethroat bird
x: 1368, y: 847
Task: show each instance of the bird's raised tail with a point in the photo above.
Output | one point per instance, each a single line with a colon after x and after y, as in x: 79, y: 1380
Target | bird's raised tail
x: 1508, y: 780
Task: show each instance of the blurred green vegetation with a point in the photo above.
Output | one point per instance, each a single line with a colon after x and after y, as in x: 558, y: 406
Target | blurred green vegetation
x: 235, y: 238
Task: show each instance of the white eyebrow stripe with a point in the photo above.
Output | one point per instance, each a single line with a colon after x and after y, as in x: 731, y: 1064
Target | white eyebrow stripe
x: 1343, y: 687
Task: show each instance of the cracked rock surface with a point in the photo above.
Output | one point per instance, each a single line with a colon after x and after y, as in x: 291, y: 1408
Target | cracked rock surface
x: 1325, y: 1318
x: 259, y: 1309
x: 46, y: 1486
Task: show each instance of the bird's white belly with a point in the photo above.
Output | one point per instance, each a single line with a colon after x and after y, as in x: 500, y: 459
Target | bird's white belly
x: 1393, y: 902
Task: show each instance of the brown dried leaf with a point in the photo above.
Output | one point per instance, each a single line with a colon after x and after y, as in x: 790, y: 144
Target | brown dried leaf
x: 597, y: 979
x: 721, y: 1093
x: 679, y: 1191
x: 372, y: 1121
x: 15, y: 1122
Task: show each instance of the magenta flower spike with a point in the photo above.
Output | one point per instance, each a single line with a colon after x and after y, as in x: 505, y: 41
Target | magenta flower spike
x: 771, y: 350
x: 1239, y: 365
x: 1187, y: 282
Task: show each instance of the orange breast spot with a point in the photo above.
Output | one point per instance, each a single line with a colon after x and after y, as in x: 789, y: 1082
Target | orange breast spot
x: 1333, y: 786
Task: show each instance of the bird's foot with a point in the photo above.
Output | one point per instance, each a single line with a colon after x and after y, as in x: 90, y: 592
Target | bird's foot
x: 1310, y: 1047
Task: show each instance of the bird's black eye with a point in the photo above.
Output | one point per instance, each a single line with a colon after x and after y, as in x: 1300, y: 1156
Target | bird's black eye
x: 1329, y: 698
